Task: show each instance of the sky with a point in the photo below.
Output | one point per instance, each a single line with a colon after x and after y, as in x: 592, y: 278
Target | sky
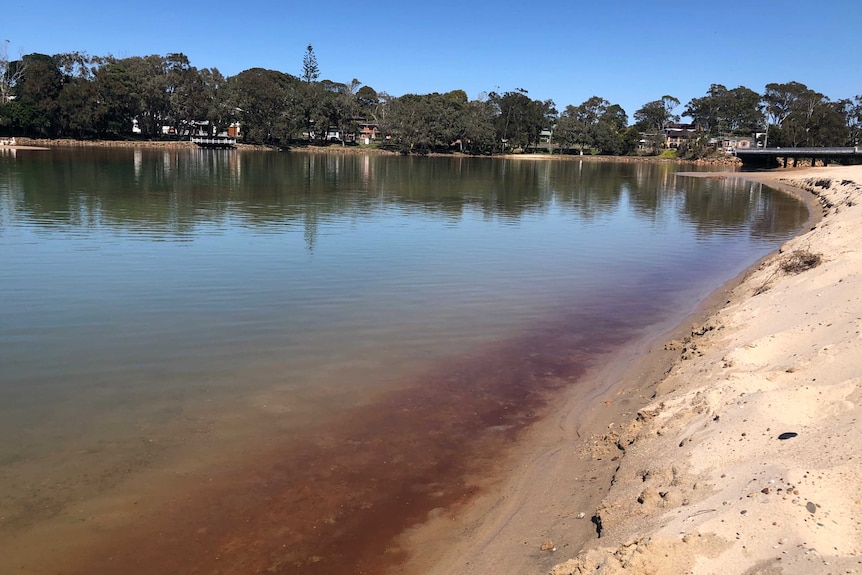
x: 626, y: 51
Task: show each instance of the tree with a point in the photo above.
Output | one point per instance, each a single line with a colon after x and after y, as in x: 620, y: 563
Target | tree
x: 310, y: 71
x: 854, y: 120
x: 367, y: 98
x: 658, y: 114
x: 266, y: 102
x: 586, y: 119
x: 10, y: 73
x: 724, y: 111
x: 655, y: 116
x: 116, y: 100
x: 478, y: 127
x: 781, y: 100
x: 610, y: 130
x: 419, y: 123
x: 217, y: 109
x: 567, y: 132
x: 800, y: 116
x: 75, y: 110
x: 36, y: 95
x: 595, y: 124
x: 520, y: 120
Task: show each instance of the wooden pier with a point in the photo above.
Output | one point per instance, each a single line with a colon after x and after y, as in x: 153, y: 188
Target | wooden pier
x: 214, y: 141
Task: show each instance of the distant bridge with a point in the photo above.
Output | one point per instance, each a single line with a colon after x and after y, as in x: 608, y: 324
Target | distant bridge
x: 775, y: 157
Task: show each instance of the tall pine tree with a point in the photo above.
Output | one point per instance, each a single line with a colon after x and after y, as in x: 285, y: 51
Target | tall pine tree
x: 310, y: 71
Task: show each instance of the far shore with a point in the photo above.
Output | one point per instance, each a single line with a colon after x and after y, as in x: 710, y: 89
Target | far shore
x: 45, y: 144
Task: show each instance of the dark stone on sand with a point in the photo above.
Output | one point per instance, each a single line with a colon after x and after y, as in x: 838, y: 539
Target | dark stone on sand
x: 787, y: 435
x: 597, y: 521
x: 810, y: 507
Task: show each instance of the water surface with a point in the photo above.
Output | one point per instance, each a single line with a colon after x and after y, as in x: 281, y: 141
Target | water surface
x: 164, y: 314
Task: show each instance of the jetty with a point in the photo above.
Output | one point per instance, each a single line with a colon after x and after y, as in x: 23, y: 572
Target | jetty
x: 219, y: 141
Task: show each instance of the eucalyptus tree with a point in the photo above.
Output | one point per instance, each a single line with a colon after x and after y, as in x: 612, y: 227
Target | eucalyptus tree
x: 610, y: 131
x: 34, y: 108
x: 595, y: 124
x: 567, y: 131
x: 577, y: 125
x: 853, y: 111
x: 367, y: 98
x: 217, y: 108
x: 781, y: 100
x: 75, y: 109
x: 153, y: 99
x: 11, y: 72
x: 261, y: 98
x: 337, y: 107
x: 478, y: 136
x: 800, y: 116
x: 658, y: 114
x: 186, y: 92
x: 723, y: 111
x: 520, y: 120
x: 116, y: 104
x: 655, y: 116
x: 420, y: 123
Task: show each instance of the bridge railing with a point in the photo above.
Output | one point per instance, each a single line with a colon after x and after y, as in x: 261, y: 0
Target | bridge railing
x: 837, y: 151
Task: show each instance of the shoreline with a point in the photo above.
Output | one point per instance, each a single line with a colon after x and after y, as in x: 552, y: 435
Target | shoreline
x: 568, y: 480
x: 47, y: 144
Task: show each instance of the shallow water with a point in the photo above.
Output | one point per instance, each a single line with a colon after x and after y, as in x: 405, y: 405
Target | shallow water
x: 167, y: 316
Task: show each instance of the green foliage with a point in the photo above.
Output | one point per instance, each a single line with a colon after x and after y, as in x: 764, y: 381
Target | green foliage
x: 724, y: 111
x: 520, y: 120
x: 116, y: 101
x: 656, y: 115
x: 800, y: 116
x: 76, y: 95
x: 424, y: 123
x: 594, y: 126
x: 267, y: 102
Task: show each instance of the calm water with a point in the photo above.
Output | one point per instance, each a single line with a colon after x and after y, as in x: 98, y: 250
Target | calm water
x: 162, y: 313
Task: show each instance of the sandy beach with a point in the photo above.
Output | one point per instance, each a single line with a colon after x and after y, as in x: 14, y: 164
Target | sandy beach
x: 728, y: 445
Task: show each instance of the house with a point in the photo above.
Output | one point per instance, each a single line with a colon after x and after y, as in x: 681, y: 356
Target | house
x: 367, y: 131
x: 732, y: 143
x: 679, y: 135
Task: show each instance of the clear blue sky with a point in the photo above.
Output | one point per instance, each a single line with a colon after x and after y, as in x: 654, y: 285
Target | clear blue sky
x: 626, y: 51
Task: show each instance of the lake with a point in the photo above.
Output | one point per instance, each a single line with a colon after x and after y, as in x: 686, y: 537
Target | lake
x: 282, y: 360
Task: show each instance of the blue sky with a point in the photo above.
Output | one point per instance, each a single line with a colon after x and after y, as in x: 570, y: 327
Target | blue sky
x: 626, y: 51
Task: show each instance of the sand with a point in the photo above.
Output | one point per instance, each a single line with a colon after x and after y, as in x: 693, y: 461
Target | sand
x: 726, y: 446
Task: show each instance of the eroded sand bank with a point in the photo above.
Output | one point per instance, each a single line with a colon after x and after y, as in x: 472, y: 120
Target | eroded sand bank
x: 747, y: 460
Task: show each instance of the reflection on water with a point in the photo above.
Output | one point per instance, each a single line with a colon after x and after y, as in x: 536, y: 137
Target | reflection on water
x: 162, y: 309
x: 169, y: 194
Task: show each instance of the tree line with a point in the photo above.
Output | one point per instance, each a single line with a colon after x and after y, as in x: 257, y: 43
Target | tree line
x: 75, y: 95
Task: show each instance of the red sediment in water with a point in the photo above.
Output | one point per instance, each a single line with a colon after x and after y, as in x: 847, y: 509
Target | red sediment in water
x: 335, y: 499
